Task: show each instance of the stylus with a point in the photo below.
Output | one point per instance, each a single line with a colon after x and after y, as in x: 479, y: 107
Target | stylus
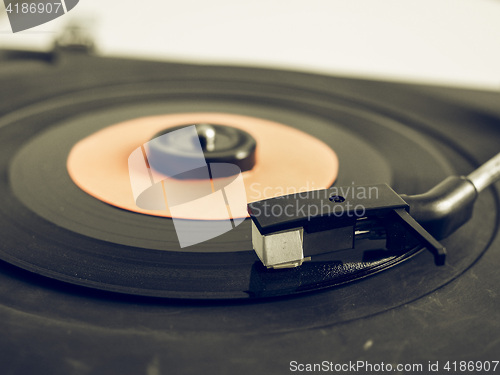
x: 288, y: 230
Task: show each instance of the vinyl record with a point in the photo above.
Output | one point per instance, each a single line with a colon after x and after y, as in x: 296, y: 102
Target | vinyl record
x: 74, y: 263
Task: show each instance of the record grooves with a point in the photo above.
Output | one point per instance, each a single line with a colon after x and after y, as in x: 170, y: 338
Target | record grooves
x: 105, y: 223
x: 381, y: 132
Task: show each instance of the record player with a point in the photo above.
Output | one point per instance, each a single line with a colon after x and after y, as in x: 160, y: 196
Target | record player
x: 91, y: 282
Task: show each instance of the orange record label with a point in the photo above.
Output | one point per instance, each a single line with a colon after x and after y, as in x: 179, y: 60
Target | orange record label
x: 108, y: 166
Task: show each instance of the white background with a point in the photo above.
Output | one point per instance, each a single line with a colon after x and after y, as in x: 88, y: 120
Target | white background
x: 447, y: 42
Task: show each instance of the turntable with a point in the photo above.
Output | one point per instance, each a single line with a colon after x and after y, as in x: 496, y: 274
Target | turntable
x: 93, y: 282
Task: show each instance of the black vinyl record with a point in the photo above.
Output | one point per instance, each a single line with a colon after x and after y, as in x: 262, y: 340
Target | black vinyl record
x: 86, y: 287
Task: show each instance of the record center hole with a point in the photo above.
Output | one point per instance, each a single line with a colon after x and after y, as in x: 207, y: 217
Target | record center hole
x: 337, y: 199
